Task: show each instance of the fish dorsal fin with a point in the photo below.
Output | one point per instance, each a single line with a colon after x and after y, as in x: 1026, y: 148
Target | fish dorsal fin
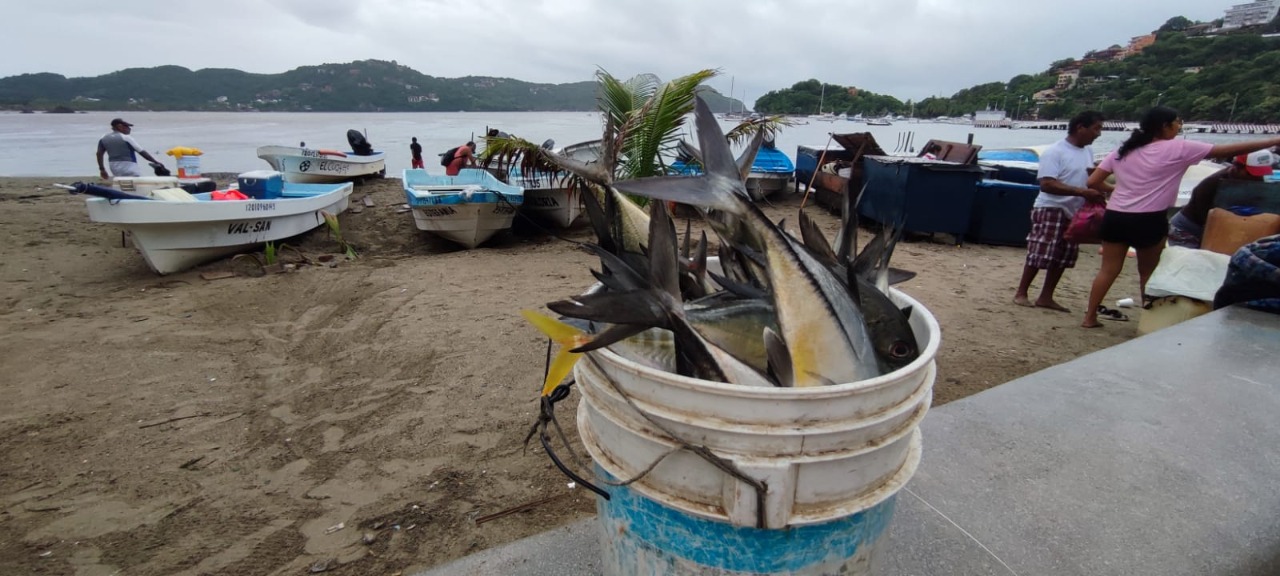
x: 847, y: 239
x: 610, y: 335
x: 600, y: 221
x: 815, y: 240
x: 737, y: 288
x: 779, y: 359
x: 906, y: 312
x: 664, y: 263
x: 748, y: 156
x: 717, y: 158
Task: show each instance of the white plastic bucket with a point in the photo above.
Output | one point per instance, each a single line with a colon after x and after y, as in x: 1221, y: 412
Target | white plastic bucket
x: 188, y: 166
x: 831, y: 456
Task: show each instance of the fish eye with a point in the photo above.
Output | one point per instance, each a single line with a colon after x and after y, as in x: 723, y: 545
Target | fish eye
x: 900, y: 349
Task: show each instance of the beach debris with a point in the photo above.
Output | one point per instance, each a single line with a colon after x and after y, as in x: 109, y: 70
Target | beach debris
x: 321, y: 566
x: 356, y: 209
x: 367, y: 201
x: 519, y: 508
x: 45, y: 554
x: 190, y: 464
x: 401, y: 209
x: 217, y: 275
x: 174, y: 419
x: 369, y: 538
x: 335, y: 528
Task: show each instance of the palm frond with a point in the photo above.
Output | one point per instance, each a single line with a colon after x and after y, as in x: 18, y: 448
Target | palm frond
x: 748, y: 128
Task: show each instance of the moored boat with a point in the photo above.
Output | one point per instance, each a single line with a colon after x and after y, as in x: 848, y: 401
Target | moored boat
x: 468, y: 208
x: 322, y: 166
x: 175, y: 235
x: 771, y: 172
x: 548, y: 198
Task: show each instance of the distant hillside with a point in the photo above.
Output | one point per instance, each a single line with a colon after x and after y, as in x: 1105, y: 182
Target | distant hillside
x: 362, y: 86
x: 1207, y: 74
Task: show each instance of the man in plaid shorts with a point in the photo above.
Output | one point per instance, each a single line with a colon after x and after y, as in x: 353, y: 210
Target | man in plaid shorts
x: 1063, y: 174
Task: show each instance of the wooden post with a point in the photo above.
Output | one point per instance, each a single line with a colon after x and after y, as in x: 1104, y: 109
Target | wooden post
x: 970, y: 141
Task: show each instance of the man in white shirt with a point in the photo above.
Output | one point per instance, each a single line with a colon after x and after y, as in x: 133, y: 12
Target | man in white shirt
x: 121, y: 150
x: 1063, y: 175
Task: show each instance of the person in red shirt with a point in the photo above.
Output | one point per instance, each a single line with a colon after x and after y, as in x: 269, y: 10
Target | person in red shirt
x: 465, y: 156
x: 415, y: 149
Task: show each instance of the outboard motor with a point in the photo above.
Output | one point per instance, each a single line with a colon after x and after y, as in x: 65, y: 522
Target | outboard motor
x: 359, y: 145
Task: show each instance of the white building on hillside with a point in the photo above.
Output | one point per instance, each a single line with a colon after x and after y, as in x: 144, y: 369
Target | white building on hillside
x: 1251, y: 14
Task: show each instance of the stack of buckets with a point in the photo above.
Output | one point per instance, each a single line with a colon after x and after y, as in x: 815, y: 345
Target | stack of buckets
x: 833, y: 459
x: 188, y: 160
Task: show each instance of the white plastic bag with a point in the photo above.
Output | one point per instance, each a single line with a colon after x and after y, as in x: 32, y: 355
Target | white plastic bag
x: 1187, y: 272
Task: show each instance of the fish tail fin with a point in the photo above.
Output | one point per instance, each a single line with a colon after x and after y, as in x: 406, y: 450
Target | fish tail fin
x: 567, y: 337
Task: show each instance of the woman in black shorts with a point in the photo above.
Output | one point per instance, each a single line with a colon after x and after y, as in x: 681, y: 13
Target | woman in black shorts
x: 1149, y: 167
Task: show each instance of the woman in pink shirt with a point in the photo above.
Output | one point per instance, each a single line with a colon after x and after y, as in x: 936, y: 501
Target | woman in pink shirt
x: 1149, y: 167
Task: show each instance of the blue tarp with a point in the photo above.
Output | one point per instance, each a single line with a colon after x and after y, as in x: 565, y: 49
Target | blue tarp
x: 1017, y: 155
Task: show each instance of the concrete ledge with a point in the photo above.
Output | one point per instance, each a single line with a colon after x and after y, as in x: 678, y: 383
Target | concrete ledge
x: 1157, y: 456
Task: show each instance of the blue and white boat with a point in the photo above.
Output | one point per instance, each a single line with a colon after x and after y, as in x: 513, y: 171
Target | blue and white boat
x: 771, y: 171
x: 468, y: 208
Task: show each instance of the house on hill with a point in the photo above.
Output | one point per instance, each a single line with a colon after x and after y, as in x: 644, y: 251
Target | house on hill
x: 1138, y: 43
x: 1252, y: 14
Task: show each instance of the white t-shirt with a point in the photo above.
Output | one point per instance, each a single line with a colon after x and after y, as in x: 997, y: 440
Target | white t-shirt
x: 1070, y: 165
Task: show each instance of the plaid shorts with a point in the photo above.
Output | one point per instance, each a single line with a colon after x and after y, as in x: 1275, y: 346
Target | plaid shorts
x: 1046, y: 247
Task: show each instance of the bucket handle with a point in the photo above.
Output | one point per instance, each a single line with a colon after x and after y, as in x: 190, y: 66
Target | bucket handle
x: 540, y: 427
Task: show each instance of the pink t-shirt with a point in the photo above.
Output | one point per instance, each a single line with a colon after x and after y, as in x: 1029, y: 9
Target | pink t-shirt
x: 1147, y: 179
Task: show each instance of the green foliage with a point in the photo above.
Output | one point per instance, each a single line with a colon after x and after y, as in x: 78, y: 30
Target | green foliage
x: 361, y: 86
x: 1221, y: 78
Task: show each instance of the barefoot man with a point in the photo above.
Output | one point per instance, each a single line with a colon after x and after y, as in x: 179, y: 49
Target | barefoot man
x: 1064, y: 172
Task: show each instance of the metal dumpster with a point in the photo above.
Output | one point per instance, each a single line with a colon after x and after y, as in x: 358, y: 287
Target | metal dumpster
x: 1002, y: 212
x: 936, y: 196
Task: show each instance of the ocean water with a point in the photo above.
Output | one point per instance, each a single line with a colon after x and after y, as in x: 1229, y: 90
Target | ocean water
x: 64, y: 144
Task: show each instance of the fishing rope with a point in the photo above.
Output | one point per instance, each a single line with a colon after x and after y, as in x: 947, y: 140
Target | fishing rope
x: 821, y: 158
x: 725, y: 465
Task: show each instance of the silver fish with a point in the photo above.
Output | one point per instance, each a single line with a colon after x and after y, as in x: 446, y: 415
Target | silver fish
x: 824, y: 332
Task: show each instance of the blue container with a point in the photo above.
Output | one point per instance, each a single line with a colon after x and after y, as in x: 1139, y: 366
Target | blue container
x: 1002, y: 212
x: 936, y: 196
x: 261, y: 184
x: 641, y: 537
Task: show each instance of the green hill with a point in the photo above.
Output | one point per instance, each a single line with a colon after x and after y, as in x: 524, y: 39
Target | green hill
x: 1222, y: 77
x: 362, y: 86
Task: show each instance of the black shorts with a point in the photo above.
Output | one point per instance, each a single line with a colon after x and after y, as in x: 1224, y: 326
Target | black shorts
x: 1135, y: 229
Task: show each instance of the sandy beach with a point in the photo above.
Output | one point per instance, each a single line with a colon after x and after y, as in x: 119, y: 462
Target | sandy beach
x: 356, y: 418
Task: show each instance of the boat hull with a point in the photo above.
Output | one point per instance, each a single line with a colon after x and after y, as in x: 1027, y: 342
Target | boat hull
x: 175, y: 236
x: 547, y: 201
x: 762, y: 185
x: 560, y: 207
x: 467, y: 209
x: 467, y: 224
x: 305, y: 165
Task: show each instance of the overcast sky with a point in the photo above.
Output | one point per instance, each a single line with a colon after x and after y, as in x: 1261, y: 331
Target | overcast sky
x: 905, y: 48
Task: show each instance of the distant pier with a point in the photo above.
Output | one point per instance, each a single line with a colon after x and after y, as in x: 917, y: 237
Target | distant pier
x: 1198, y: 128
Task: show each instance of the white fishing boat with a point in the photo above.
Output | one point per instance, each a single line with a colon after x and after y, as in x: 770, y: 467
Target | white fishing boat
x: 548, y: 197
x: 175, y: 235
x: 468, y: 208
x: 322, y: 166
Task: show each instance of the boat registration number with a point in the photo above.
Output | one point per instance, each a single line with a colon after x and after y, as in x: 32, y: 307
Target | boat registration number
x: 440, y: 211
x: 503, y: 209
x: 248, y: 227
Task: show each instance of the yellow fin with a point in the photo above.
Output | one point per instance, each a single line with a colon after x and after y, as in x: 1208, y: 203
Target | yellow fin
x: 567, y: 337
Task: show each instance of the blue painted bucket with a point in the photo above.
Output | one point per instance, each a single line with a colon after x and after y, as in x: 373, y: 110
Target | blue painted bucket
x: 642, y: 537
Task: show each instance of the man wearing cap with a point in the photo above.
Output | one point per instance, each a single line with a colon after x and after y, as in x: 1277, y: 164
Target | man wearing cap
x: 121, y: 150
x: 1186, y: 228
